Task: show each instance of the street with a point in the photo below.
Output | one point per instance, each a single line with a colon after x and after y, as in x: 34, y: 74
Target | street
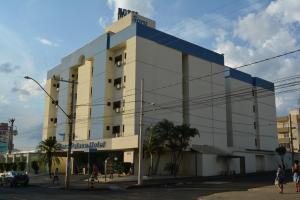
x: 252, y: 187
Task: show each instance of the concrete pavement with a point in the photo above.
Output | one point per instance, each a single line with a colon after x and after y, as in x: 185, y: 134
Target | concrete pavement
x: 256, y: 186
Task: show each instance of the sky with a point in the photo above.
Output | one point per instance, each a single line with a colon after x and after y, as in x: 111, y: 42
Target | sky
x: 36, y: 34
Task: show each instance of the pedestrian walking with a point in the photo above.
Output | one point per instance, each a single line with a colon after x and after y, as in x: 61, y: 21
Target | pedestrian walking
x: 296, y: 175
x: 55, y: 177
x: 279, y: 179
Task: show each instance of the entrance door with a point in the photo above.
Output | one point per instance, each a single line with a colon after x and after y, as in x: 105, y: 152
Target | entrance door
x: 242, y: 165
x: 260, y: 163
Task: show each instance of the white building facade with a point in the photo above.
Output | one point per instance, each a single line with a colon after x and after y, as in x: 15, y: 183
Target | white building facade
x: 184, y: 83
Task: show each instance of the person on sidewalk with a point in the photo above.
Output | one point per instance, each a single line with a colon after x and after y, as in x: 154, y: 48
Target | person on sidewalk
x: 296, y: 174
x: 279, y: 179
x: 55, y: 177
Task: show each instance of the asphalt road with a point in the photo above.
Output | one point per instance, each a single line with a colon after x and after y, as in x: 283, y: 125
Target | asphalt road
x: 253, y: 187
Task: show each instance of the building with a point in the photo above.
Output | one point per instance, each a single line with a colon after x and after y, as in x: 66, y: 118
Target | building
x: 4, y: 137
x: 184, y: 83
x: 288, y: 126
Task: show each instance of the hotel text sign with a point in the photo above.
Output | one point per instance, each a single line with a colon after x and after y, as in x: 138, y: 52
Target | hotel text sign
x: 85, y: 145
x: 123, y: 12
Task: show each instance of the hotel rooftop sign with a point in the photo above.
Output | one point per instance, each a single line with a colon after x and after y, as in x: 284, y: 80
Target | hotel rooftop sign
x: 123, y: 12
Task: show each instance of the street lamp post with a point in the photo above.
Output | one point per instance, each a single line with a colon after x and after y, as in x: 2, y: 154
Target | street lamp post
x: 70, y: 119
x: 140, y: 144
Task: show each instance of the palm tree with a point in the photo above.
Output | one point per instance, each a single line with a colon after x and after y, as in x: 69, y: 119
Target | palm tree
x: 281, y: 151
x: 152, y: 146
x: 48, y: 148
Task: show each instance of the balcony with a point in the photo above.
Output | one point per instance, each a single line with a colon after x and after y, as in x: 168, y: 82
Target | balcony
x: 284, y: 140
x: 283, y: 130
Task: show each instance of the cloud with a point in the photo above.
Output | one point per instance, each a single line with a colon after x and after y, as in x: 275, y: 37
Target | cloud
x: 286, y: 11
x: 145, y: 8
x: 3, y: 100
x: 47, y: 42
x: 8, y: 67
x: 103, y: 21
x: 27, y: 89
x: 261, y: 34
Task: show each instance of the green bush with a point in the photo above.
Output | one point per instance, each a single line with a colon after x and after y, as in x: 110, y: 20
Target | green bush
x: 14, y: 166
x: 2, y: 167
x: 127, y: 167
x: 35, y: 166
x: 21, y: 166
x: 119, y: 167
x: 8, y: 166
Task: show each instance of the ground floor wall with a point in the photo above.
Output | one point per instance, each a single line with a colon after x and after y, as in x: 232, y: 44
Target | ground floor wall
x: 199, y: 164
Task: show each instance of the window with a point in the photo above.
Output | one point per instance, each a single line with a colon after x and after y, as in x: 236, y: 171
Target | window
x: 55, y: 120
x: 109, y: 80
x: 123, y: 128
x: 253, y: 107
x: 253, y: 92
x: 91, y: 90
x: 117, y: 106
x: 124, y: 79
x: 118, y: 82
x: 118, y: 61
x: 92, y: 71
x: 90, y: 112
x: 125, y: 55
x: 286, y: 135
x: 254, y: 124
x: 108, y: 104
x: 116, y: 130
x: 110, y: 58
x: 255, y: 142
x: 89, y: 134
x: 107, y: 128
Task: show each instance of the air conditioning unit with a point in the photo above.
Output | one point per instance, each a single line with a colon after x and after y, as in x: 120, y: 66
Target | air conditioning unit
x: 118, y: 86
x: 117, y: 110
x: 119, y: 64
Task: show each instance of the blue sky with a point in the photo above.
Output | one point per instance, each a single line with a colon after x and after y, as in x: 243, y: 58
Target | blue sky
x: 36, y: 34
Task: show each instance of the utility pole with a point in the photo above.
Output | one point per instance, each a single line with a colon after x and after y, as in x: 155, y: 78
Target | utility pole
x: 140, y: 172
x: 70, y: 118
x: 70, y: 138
x: 292, y: 139
x: 10, y: 135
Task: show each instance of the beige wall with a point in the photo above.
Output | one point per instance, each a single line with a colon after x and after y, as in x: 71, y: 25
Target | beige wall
x: 50, y: 111
x: 84, y: 93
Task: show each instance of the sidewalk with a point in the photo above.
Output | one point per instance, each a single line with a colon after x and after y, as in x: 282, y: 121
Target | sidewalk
x: 260, y: 193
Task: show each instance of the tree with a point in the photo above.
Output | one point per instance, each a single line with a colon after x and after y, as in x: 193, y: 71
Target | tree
x: 35, y: 166
x: 21, y: 166
x: 177, y: 141
x: 162, y: 129
x: 48, y: 148
x: 152, y: 146
x: 281, y: 151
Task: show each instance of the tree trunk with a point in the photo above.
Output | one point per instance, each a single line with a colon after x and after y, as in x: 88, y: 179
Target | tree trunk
x: 151, y: 164
x: 157, y: 164
x: 50, y: 166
